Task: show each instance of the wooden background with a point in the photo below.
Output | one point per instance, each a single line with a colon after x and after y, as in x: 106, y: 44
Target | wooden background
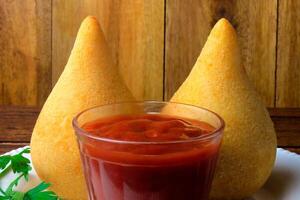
x: 157, y: 41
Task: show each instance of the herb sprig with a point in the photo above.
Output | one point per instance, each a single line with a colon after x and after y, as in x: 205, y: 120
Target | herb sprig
x: 21, y: 166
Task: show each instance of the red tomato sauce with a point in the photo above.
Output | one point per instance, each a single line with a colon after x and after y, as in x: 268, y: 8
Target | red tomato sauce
x: 149, y: 157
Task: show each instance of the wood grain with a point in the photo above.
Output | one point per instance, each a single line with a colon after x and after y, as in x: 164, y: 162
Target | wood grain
x: 287, y: 126
x: 288, y: 54
x: 25, y: 53
x: 188, y: 25
x: 135, y: 33
x: 6, y: 147
x: 16, y: 123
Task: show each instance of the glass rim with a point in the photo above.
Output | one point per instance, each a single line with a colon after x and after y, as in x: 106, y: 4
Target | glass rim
x: 211, y: 135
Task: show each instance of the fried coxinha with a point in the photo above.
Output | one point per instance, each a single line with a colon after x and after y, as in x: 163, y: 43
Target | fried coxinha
x: 89, y: 79
x: 220, y: 83
x: 217, y: 82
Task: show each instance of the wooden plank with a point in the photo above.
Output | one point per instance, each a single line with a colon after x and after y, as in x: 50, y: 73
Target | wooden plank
x: 288, y: 130
x: 25, y: 53
x: 6, y: 147
x: 290, y: 138
x: 134, y: 30
x: 287, y: 126
x: 16, y: 123
x: 284, y: 112
x: 288, y: 51
x: 188, y: 25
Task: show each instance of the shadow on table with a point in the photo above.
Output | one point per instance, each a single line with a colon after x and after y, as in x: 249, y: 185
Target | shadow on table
x: 276, y: 186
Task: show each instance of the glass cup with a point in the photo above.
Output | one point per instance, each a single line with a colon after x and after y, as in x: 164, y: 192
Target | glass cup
x: 130, y: 170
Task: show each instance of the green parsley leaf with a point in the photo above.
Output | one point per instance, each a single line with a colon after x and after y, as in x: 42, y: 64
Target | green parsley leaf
x: 2, y: 192
x: 20, y: 164
x: 27, y: 150
x: 4, y: 160
x: 17, y: 196
x: 9, y: 190
x: 39, y: 193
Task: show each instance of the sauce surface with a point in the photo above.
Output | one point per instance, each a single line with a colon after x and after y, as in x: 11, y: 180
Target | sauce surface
x: 154, y: 171
x: 147, y: 128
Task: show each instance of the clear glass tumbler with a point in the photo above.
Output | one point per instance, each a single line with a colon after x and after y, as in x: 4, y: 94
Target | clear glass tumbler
x: 166, y: 170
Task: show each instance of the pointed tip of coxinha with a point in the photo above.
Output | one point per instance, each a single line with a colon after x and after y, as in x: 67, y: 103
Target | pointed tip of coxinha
x: 219, y: 58
x: 222, y: 36
x: 221, y: 45
x: 89, y: 22
x: 90, y: 66
x: 90, y: 30
x: 219, y: 82
x: 90, y: 19
x: 223, y: 29
x: 90, y: 46
x: 89, y: 79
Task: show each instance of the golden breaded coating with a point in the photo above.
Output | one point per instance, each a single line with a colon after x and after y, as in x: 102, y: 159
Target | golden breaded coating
x: 89, y: 79
x: 219, y: 82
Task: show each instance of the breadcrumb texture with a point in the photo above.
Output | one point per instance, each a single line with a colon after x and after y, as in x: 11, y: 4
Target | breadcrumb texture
x: 219, y: 82
x: 89, y: 79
